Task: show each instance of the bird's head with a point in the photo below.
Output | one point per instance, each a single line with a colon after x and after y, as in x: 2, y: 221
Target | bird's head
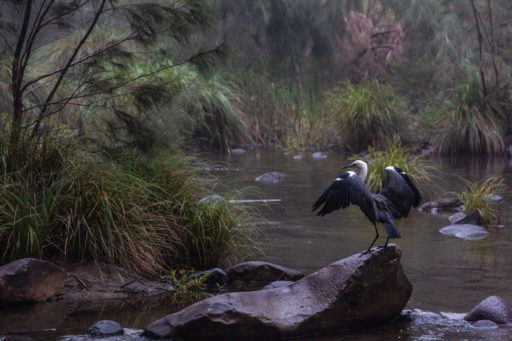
x: 360, y: 167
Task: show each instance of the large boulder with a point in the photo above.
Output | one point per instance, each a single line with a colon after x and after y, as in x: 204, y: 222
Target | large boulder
x: 30, y: 280
x: 352, y: 292
x: 493, y: 308
x: 255, y: 275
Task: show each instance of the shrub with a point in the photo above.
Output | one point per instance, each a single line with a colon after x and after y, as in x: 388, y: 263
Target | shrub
x: 368, y: 114
x: 140, y: 214
x: 476, y: 197
x: 468, y: 123
x: 398, y: 156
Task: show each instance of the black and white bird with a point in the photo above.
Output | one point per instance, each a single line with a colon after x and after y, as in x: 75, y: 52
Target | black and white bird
x: 394, y: 201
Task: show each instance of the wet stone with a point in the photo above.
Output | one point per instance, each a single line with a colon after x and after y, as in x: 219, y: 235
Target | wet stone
x: 277, y: 284
x: 213, y: 278
x: 270, y: 178
x: 105, y: 328
x: 211, y: 199
x: 485, y: 324
x: 319, y: 155
x: 492, y: 308
x: 238, y: 151
x: 465, y: 231
x: 298, y: 157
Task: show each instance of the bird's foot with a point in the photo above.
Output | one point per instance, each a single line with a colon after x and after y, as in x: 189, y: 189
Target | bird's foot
x: 382, y: 246
x: 366, y: 252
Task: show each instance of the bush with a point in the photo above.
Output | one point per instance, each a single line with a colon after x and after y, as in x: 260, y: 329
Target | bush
x: 368, y: 114
x: 398, y: 156
x: 476, y: 197
x: 140, y: 214
x: 468, y: 123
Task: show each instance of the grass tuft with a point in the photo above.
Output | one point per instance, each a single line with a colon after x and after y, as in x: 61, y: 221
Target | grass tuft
x: 476, y: 197
x: 398, y: 156
x: 141, y: 214
x: 368, y: 114
x: 469, y: 123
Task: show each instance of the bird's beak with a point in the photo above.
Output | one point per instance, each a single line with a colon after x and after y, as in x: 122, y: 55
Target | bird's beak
x: 348, y: 166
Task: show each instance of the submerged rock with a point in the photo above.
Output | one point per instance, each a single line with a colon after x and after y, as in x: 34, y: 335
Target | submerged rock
x: 30, y: 280
x: 238, y: 151
x: 255, y: 275
x: 493, y: 197
x: 465, y: 231
x: 493, y: 308
x: 270, y: 178
x: 473, y: 218
x: 211, y: 199
x: 352, y: 292
x: 485, y: 324
x: 277, y: 284
x: 105, y: 328
x: 444, y: 205
x: 298, y: 157
x: 319, y: 155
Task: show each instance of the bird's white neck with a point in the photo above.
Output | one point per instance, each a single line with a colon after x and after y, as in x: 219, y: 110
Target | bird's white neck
x: 363, y: 169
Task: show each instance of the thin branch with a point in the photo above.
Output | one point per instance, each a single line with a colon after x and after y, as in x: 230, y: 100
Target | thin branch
x: 481, y: 52
x: 494, y: 47
x: 81, y: 60
x: 66, y: 68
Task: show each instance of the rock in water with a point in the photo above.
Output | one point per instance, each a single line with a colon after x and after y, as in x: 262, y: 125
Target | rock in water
x: 105, y: 328
x: 270, y: 178
x: 30, y: 280
x: 465, y: 231
x: 352, y: 292
x: 493, y: 308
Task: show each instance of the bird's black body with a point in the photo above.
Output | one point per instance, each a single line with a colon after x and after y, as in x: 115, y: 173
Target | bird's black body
x: 394, y: 201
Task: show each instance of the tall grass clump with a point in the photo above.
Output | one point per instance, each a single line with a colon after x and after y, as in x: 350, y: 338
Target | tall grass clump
x: 468, y: 123
x: 394, y: 155
x: 477, y: 197
x: 137, y: 213
x: 368, y: 114
x: 283, y: 113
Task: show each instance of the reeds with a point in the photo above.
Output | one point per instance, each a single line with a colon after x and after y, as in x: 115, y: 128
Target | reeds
x: 140, y: 214
x: 469, y: 123
x: 478, y: 197
x: 368, y: 114
x: 395, y: 155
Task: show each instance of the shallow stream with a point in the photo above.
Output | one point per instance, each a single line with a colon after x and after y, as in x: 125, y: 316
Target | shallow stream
x: 447, y: 274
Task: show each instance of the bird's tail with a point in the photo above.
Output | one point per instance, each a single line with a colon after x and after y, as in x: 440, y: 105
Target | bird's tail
x: 391, y: 229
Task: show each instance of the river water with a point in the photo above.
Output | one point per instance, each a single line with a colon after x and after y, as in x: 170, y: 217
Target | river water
x: 448, y: 275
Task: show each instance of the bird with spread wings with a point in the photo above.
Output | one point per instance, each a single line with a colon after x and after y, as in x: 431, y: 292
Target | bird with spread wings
x: 394, y: 201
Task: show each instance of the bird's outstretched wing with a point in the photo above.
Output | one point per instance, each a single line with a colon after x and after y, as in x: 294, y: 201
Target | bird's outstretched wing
x: 346, y: 189
x: 401, y: 191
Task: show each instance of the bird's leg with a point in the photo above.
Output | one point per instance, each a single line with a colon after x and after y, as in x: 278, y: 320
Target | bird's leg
x: 376, y: 237
x: 385, y: 245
